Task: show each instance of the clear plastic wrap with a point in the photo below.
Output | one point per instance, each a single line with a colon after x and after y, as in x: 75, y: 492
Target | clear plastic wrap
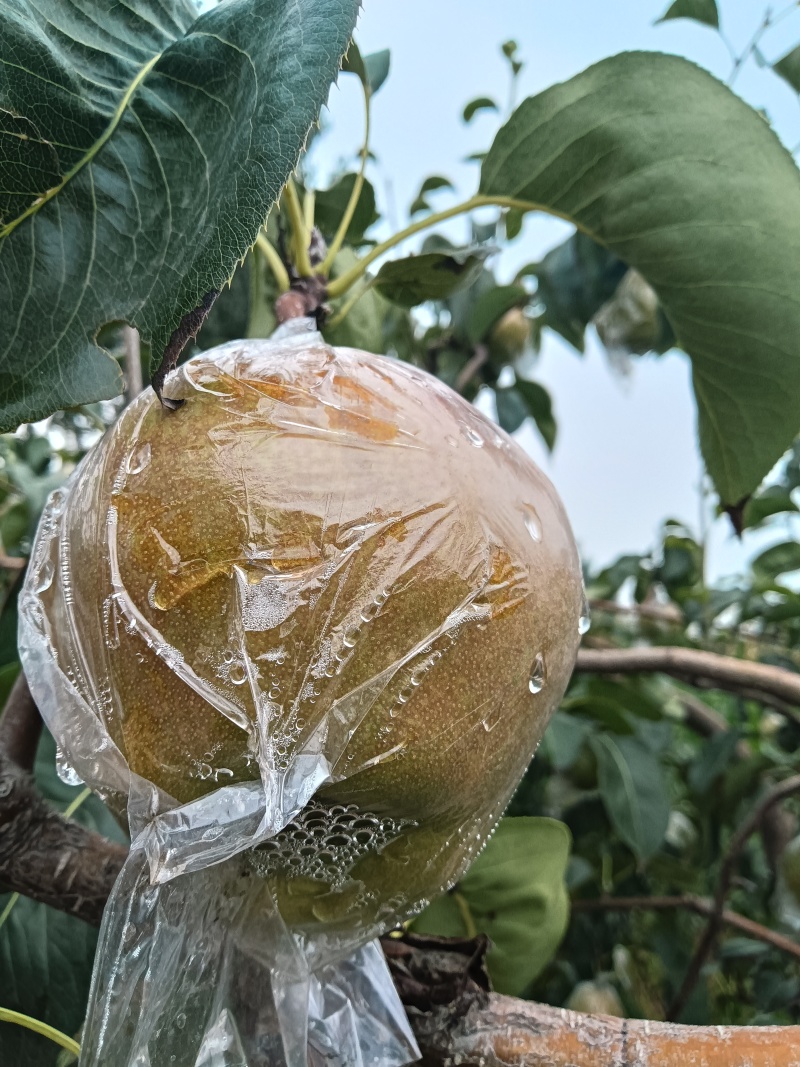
x: 306, y: 633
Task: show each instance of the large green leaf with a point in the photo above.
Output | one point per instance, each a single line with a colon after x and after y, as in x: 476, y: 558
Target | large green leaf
x: 515, y: 893
x: 633, y: 790
x: 142, y: 150
x: 651, y: 156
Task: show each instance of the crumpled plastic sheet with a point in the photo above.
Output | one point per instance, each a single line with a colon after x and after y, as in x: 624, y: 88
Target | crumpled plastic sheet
x: 195, y: 965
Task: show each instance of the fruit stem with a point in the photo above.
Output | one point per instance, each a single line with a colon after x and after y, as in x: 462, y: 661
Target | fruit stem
x: 355, y: 195
x: 466, y: 913
x: 345, y: 309
x: 299, y: 232
x: 341, y: 284
x: 16, y: 1017
x: 264, y: 245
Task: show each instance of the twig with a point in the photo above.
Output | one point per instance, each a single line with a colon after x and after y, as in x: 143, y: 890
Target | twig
x: 700, y: 906
x: 133, y: 363
x: 20, y: 726
x: 724, y: 672
x: 668, y: 613
x: 471, y: 368
x: 13, y: 563
x: 737, y: 843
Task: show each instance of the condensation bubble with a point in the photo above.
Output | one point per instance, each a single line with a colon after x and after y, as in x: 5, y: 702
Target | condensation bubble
x: 237, y: 674
x: 65, y: 771
x: 537, y: 676
x: 139, y: 459
x: 45, y: 577
x: 532, y: 522
x: 473, y: 437
x: 585, y: 621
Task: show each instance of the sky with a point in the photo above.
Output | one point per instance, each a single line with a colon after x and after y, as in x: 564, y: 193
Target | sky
x: 626, y: 456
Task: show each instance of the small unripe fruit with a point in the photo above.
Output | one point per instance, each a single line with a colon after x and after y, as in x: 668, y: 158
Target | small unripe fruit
x: 510, y: 334
x: 326, y: 571
x: 596, y: 998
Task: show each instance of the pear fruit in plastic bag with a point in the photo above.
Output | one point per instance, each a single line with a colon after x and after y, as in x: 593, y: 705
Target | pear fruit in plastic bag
x: 329, y: 553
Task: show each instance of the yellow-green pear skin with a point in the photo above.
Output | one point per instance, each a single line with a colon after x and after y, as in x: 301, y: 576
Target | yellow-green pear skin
x: 326, y: 551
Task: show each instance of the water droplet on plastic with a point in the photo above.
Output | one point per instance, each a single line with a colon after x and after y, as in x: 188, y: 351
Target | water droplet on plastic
x: 585, y: 621
x: 237, y: 674
x: 204, y: 771
x: 65, y: 771
x: 532, y: 522
x: 180, y: 1020
x: 46, y: 575
x: 139, y: 459
x: 473, y: 437
x: 350, y: 638
x: 537, y: 676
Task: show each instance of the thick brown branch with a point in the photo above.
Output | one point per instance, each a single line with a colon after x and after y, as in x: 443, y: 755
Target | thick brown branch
x: 472, y: 1027
x: 700, y: 906
x: 20, y: 726
x: 48, y: 858
x: 689, y: 664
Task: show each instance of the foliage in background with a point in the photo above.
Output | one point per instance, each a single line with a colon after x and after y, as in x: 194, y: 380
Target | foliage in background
x: 626, y: 797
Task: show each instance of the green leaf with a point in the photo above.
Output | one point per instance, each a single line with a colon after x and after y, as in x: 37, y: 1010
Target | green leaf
x: 46, y: 960
x: 480, y: 103
x: 511, y: 408
x: 712, y: 760
x: 575, y: 280
x: 515, y: 893
x: 564, y: 739
x: 436, y: 181
x: 362, y: 327
x: 772, y: 500
x: 429, y: 276
x: 122, y: 200
x: 789, y: 68
x: 704, y: 11
x: 330, y: 205
x: 371, y: 70
x: 633, y: 790
x: 540, y: 408
x: 628, y: 696
x: 780, y: 559
x: 651, y: 156
x: 490, y: 307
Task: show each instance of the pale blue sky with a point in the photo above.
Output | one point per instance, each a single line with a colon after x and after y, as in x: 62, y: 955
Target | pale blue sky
x: 626, y: 456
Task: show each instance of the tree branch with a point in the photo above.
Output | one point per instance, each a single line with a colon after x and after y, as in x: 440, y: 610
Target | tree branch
x: 456, y: 1020
x: 48, y: 858
x: 690, y: 664
x: 700, y: 906
x: 20, y: 726
x: 42, y: 855
x: 787, y: 788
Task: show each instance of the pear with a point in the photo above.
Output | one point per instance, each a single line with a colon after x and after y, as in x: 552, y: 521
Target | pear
x: 326, y: 563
